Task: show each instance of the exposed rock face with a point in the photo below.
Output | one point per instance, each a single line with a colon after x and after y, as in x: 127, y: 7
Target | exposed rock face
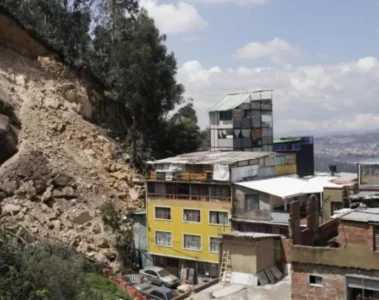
x: 56, y: 169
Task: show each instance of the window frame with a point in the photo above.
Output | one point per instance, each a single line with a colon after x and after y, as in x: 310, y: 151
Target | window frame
x: 245, y: 200
x: 194, y: 235
x: 218, y: 211
x: 194, y: 209
x: 315, y: 276
x: 164, y: 231
x: 210, y: 239
x: 160, y: 219
x: 375, y: 232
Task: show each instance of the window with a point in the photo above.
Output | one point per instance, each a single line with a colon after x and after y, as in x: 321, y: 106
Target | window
x: 225, y: 134
x: 295, y: 147
x: 251, y: 202
x: 376, y: 238
x: 191, y: 215
x: 226, y: 115
x: 163, y: 213
x: 335, y: 206
x: 214, y: 244
x: 160, y: 260
x: 315, y: 280
x: 246, y: 113
x: 192, y: 242
x: 218, y: 218
x: 158, y: 294
x: 163, y: 239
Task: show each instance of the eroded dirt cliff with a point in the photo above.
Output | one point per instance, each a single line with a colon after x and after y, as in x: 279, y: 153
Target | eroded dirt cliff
x: 56, y: 168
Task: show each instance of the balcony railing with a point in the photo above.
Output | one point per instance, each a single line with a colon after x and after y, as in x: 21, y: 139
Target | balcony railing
x: 211, y: 198
x: 261, y: 215
x: 182, y: 176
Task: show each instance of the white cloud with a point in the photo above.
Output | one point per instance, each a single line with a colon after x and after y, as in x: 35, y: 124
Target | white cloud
x: 274, y: 49
x: 314, y: 99
x: 239, y: 2
x: 174, y: 19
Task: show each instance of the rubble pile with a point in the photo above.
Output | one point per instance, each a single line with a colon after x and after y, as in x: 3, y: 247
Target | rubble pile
x: 65, y: 167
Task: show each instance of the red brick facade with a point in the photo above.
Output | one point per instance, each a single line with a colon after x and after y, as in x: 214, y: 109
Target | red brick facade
x: 333, y: 285
x: 355, y: 233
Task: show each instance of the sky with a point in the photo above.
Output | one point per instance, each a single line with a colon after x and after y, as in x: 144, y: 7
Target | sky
x: 319, y: 57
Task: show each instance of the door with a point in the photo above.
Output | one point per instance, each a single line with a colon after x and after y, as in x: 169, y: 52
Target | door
x: 153, y: 277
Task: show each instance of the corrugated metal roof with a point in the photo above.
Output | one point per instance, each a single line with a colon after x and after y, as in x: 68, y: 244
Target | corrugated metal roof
x: 249, y: 234
x: 231, y: 101
x: 212, y: 157
x: 363, y: 215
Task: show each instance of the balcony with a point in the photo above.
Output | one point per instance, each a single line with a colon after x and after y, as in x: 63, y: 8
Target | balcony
x: 261, y: 215
x: 209, y: 198
x: 181, y: 176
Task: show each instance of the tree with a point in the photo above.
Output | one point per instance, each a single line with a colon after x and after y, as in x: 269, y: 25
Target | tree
x: 145, y: 81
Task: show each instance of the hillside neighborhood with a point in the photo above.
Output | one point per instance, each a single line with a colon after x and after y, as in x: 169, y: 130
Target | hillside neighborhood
x: 85, y: 216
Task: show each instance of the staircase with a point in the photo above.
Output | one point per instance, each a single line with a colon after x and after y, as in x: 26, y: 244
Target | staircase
x: 225, y: 271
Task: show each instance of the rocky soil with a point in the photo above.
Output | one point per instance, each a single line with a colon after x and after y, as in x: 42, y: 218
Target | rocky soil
x: 65, y: 168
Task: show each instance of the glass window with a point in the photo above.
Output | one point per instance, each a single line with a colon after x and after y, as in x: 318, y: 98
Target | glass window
x: 251, y: 202
x: 218, y: 218
x: 163, y: 213
x: 214, y: 244
x: 266, y: 120
x: 226, y: 115
x: 315, y: 280
x: 192, y: 242
x: 295, y: 147
x: 191, y: 215
x: 225, y: 133
x: 163, y: 238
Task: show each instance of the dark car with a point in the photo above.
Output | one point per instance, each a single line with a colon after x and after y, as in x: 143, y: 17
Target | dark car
x: 161, y: 293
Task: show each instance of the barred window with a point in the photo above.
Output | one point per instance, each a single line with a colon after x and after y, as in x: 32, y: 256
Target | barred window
x: 163, y: 238
x: 163, y: 213
x: 192, y: 242
x: 191, y: 215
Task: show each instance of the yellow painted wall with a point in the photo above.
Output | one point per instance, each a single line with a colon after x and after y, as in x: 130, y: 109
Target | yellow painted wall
x: 178, y: 227
x: 331, y: 195
x: 285, y: 169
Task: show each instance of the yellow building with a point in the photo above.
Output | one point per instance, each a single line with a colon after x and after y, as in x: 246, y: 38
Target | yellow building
x: 189, y: 202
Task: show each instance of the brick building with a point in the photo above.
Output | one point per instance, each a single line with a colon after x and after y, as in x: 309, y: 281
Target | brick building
x: 338, y: 259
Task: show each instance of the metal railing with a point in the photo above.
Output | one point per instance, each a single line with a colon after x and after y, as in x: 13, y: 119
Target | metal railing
x: 182, y: 176
x: 261, y: 215
x: 190, y: 197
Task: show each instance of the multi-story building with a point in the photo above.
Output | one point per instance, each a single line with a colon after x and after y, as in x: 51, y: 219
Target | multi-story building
x: 338, y: 259
x: 368, y: 176
x: 189, y: 201
x: 242, y: 122
x: 304, y: 150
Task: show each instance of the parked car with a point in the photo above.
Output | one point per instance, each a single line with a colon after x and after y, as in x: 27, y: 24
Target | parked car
x: 160, y: 276
x: 161, y: 293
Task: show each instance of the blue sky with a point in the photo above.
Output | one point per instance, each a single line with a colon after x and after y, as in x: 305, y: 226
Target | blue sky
x: 320, y: 56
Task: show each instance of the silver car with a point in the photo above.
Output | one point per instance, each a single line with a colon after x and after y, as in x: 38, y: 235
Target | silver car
x: 160, y: 276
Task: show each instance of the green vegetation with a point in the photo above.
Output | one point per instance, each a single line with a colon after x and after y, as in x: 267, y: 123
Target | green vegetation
x: 51, y: 271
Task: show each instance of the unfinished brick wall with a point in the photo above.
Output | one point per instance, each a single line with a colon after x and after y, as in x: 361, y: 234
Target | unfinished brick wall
x: 333, y: 281
x: 355, y: 233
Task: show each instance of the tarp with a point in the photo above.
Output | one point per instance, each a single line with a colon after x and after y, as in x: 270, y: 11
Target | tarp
x: 221, y: 172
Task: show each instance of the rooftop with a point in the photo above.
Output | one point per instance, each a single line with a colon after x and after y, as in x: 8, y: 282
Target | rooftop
x: 210, y: 158
x: 253, y: 235
x: 364, y: 215
x: 232, y: 101
x: 292, y: 186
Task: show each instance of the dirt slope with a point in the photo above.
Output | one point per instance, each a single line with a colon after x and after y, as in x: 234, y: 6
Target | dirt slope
x: 65, y: 167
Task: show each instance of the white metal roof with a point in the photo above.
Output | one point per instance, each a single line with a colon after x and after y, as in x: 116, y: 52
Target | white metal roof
x: 364, y: 215
x: 212, y: 157
x: 236, y: 233
x: 232, y: 101
x: 288, y: 186
x: 282, y: 187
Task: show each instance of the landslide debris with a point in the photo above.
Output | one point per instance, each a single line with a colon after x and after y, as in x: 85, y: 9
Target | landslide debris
x: 56, y: 168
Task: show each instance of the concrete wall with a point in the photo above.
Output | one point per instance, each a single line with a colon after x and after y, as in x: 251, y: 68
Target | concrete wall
x: 264, y: 254
x: 243, y: 254
x: 331, y: 195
